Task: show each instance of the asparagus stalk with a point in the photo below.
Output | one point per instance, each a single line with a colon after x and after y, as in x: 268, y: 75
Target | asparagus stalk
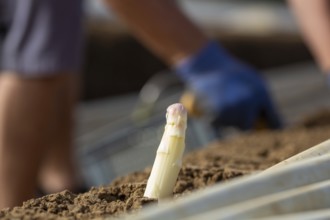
x: 168, y: 160
x: 242, y: 190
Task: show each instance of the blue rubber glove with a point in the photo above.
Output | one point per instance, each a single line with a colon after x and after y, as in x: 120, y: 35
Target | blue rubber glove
x: 234, y: 94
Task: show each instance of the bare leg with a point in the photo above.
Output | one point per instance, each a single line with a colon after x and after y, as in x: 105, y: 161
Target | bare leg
x: 26, y: 112
x: 58, y: 170
x: 162, y: 27
x: 314, y: 19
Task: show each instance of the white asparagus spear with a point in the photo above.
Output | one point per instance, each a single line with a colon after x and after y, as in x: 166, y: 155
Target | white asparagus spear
x: 168, y: 160
x: 242, y: 189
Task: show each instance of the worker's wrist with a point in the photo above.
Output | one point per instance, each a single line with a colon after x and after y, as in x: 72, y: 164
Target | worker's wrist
x: 211, y: 57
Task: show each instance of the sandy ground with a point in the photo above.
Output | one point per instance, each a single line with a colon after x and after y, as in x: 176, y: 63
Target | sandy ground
x: 214, y: 164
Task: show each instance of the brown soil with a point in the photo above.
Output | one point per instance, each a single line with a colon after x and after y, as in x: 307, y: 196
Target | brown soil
x: 215, y: 163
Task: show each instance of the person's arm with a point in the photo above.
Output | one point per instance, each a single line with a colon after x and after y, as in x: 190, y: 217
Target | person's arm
x: 314, y: 20
x: 161, y: 26
x: 228, y: 92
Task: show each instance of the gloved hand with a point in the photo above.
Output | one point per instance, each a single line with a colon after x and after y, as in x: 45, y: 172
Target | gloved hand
x: 231, y: 92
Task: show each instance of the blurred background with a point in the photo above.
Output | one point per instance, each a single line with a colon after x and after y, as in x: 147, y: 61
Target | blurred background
x: 262, y: 33
x: 111, y: 141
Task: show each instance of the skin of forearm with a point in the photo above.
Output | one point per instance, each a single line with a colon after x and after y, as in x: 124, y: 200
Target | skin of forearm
x: 161, y: 26
x: 314, y: 20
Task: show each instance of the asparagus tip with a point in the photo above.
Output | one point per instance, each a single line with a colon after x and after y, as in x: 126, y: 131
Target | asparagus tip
x: 176, y: 113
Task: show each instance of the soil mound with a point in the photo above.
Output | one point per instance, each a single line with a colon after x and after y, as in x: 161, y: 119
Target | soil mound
x: 218, y: 162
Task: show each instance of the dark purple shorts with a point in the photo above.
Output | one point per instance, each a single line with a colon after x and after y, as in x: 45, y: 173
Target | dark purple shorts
x: 41, y: 37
